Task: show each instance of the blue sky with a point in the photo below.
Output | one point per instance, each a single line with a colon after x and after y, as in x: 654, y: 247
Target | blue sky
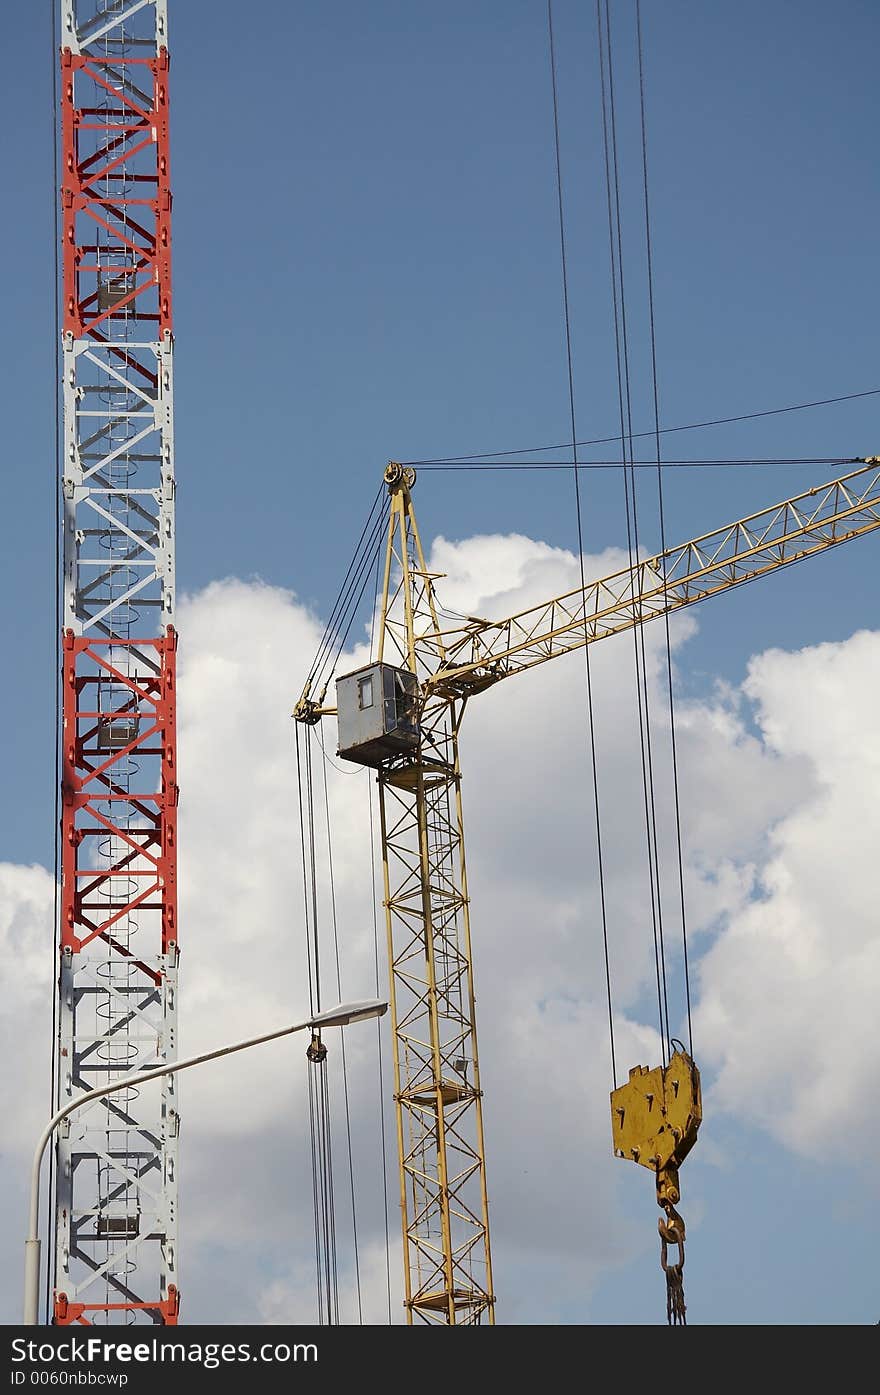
x: 366, y: 266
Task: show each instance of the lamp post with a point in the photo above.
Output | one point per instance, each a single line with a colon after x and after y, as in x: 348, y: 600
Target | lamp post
x: 339, y: 1016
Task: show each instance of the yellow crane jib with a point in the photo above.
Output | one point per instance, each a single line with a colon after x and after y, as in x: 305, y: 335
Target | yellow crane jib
x: 655, y: 1118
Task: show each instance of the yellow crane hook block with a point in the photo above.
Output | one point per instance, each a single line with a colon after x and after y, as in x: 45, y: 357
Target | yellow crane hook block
x: 655, y: 1117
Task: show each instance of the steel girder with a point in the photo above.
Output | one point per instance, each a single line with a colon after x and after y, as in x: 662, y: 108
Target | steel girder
x: 444, y: 1207
x: 482, y: 652
x: 116, y: 1161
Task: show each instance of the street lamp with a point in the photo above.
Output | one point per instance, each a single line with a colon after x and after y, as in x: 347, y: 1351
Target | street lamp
x: 340, y: 1016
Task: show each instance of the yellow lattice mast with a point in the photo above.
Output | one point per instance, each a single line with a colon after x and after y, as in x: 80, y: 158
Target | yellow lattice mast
x: 436, y: 1066
x: 386, y: 722
x: 401, y: 714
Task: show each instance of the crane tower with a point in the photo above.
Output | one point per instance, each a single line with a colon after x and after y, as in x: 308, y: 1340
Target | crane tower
x: 115, y: 1211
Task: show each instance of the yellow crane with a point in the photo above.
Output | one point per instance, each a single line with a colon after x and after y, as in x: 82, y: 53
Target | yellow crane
x: 401, y: 714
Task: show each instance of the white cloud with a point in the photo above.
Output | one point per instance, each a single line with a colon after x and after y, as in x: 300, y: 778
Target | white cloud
x: 26, y: 916
x: 788, y: 1002
x: 26, y: 901
x: 373, y: 1293
x: 778, y: 819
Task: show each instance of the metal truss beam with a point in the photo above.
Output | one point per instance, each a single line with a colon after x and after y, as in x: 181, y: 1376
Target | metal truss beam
x: 448, y: 1271
x: 116, y: 1161
x: 483, y: 652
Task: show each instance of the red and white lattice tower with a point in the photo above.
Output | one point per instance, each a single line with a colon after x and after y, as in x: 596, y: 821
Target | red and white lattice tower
x: 116, y: 1161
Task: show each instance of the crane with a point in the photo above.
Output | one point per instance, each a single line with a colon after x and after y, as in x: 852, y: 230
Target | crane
x: 401, y: 714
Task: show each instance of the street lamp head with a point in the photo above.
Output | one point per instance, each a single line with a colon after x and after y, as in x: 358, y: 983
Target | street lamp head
x: 339, y: 1016
x: 345, y: 1013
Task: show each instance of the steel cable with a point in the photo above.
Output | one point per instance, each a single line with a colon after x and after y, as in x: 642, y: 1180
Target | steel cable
x: 664, y: 431
x: 656, y: 397
x: 690, y: 463
x: 374, y: 903
x: 327, y: 1279
x: 572, y: 417
x: 362, y: 553
x: 612, y: 189
x: 54, y: 1095
x: 357, y: 1269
